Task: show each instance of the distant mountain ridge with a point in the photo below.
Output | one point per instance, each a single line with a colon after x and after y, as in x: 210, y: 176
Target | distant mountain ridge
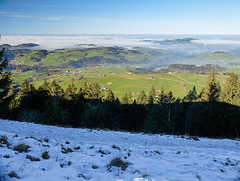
x: 172, y: 41
x: 26, y: 55
x: 23, y: 45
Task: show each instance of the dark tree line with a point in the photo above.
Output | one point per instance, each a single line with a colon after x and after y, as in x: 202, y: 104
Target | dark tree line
x: 186, y: 68
x: 214, y: 112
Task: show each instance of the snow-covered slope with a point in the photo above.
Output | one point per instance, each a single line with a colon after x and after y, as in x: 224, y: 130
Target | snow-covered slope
x: 83, y: 154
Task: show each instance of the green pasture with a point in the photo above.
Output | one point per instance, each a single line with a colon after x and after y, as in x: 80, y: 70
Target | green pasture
x: 59, y: 57
x: 122, y: 82
x: 214, y: 58
x: 233, y: 69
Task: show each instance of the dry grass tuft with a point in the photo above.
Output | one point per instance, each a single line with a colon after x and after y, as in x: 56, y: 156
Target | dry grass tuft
x: 32, y: 158
x: 116, y: 147
x: 13, y: 174
x: 4, y: 140
x: 66, y: 150
x: 45, y: 155
x: 117, y: 162
x: 21, y: 148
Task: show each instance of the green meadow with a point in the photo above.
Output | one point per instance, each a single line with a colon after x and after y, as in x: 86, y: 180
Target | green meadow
x: 121, y: 81
x: 116, y: 76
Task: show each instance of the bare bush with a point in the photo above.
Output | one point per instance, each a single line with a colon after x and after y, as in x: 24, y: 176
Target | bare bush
x: 32, y: 158
x: 21, y: 148
x: 117, y: 162
x: 45, y: 155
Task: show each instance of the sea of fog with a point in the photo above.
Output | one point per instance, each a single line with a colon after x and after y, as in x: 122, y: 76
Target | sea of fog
x: 51, y: 42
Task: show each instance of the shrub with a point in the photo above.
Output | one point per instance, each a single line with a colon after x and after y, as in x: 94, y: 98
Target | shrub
x: 94, y: 167
x: 32, y: 158
x: 117, y: 162
x: 15, y: 136
x: 4, y: 140
x: 198, y: 176
x: 45, y: 155
x: 66, y: 150
x: 64, y: 164
x: 158, y: 152
x: 81, y: 176
x: 13, y: 174
x: 101, y: 151
x: 77, y: 148
x: 115, y: 147
x: 21, y: 148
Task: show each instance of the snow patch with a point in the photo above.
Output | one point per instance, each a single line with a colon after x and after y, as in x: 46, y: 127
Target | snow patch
x: 146, y: 157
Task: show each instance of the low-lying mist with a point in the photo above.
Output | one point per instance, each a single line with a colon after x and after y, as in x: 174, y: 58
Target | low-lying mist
x: 199, y: 43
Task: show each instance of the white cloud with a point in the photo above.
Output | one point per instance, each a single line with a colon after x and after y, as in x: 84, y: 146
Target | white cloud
x: 53, y: 18
x: 13, y: 14
x: 56, y: 42
x: 217, y: 42
x: 128, y: 41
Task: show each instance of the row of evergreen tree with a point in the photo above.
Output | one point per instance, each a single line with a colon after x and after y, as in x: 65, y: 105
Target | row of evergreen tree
x: 213, y: 112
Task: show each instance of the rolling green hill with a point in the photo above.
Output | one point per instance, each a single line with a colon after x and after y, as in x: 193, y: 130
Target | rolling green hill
x: 220, y: 58
x: 121, y: 81
x: 82, y: 57
x: 92, y: 65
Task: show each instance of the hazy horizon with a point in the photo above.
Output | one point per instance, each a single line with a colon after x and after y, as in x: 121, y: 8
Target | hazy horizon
x: 51, y: 42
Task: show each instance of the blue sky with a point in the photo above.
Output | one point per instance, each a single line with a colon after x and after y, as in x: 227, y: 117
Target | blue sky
x: 120, y: 16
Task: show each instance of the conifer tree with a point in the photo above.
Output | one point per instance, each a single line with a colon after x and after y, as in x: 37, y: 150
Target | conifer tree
x: 85, y: 89
x: 130, y: 98
x: 71, y: 91
x: 117, y: 102
x: 80, y: 91
x: 191, y: 96
x: 125, y: 99
x: 142, y: 98
x: 162, y: 97
x: 170, y: 98
x: 55, y: 89
x: 30, y: 97
x: 26, y: 88
x: 212, y: 90
x: 5, y: 82
x: 152, y: 96
x: 231, y: 89
x: 110, y: 97
x: 54, y: 113
x: 44, y: 86
x: 93, y: 92
x: 158, y: 120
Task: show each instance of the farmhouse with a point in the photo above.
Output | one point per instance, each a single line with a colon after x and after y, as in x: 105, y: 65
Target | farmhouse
x: 104, y: 89
x: 111, y: 73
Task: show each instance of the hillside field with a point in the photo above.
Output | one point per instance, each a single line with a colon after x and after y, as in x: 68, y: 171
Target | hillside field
x: 121, y: 81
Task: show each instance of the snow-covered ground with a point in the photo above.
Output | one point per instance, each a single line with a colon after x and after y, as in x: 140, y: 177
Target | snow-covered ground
x: 83, y: 154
